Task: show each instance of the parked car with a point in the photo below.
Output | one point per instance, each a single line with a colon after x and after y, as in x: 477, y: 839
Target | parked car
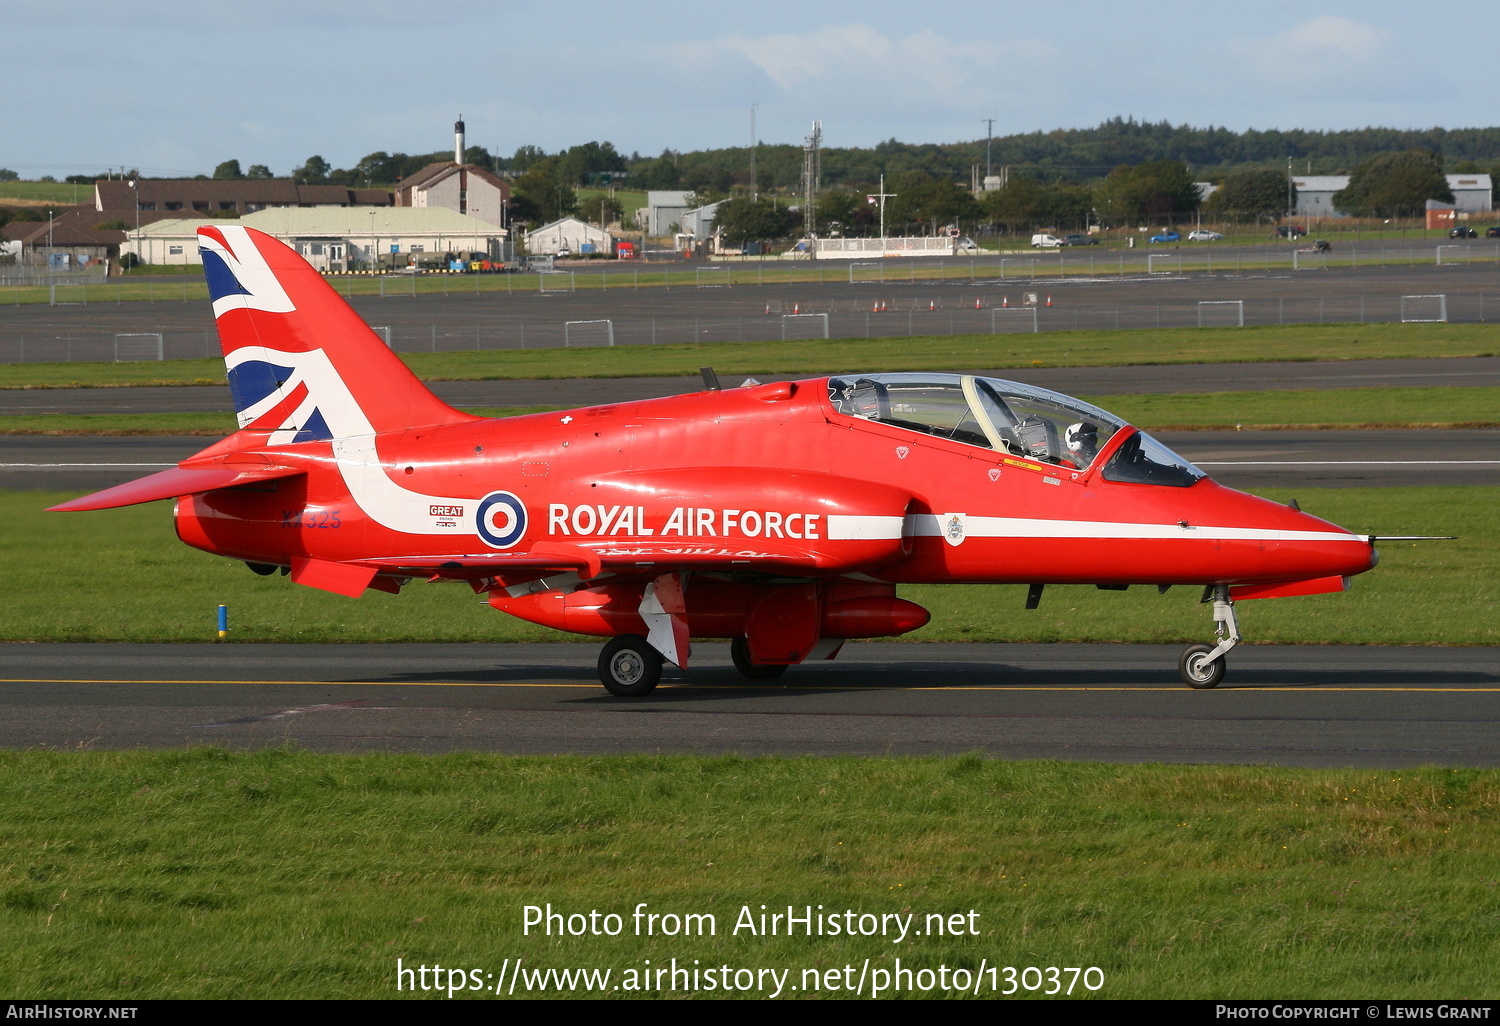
x: 1492, y: 233
x: 1168, y: 236
x: 1045, y: 240
x: 1079, y: 239
x: 1204, y: 235
x: 1463, y: 233
x: 1289, y: 231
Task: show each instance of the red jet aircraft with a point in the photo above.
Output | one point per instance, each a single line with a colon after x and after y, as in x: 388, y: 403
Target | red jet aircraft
x: 781, y: 516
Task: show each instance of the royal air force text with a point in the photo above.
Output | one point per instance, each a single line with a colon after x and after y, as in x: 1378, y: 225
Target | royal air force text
x: 682, y: 522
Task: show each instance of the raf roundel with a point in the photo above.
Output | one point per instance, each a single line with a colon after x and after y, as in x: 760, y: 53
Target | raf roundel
x: 500, y: 519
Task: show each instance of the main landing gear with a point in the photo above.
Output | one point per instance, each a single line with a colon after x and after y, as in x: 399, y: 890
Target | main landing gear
x: 739, y: 651
x: 629, y: 666
x: 1202, y: 666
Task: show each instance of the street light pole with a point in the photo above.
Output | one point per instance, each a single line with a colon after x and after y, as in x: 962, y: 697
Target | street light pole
x: 135, y: 188
x: 882, y: 196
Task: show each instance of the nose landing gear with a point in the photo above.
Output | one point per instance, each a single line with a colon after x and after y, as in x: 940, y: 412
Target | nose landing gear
x: 1202, y: 666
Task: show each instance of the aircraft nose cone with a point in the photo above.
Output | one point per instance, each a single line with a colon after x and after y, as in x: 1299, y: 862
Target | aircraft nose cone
x: 1330, y: 550
x: 1288, y: 544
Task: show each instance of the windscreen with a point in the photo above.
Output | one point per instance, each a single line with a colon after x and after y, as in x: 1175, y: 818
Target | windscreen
x: 1005, y: 416
x: 1144, y: 460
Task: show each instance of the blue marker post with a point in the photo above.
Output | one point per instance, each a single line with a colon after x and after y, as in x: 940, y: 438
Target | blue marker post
x: 223, y: 622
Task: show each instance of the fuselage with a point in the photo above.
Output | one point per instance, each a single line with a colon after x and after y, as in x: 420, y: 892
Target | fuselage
x: 769, y: 469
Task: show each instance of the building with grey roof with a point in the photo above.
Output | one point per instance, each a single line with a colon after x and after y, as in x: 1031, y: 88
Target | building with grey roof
x: 699, y: 222
x: 156, y: 199
x: 568, y: 236
x: 664, y: 209
x: 464, y: 188
x: 1472, y: 193
x: 337, y: 239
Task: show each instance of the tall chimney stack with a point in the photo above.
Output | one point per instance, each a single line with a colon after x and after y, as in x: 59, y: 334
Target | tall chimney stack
x: 458, y: 140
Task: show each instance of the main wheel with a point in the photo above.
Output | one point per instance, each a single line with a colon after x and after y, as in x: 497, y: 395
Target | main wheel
x: 1197, y: 670
x: 629, y: 666
x: 739, y: 651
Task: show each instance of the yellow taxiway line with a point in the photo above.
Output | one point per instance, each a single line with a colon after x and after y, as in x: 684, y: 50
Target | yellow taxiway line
x: 754, y: 687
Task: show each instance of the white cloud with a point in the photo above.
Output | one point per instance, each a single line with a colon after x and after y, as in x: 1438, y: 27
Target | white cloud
x: 790, y: 59
x: 1328, y: 54
x: 869, y: 84
x: 1329, y: 35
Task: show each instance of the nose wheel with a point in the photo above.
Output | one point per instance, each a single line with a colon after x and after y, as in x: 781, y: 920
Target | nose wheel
x: 629, y: 666
x: 1202, y: 666
x: 1198, y: 669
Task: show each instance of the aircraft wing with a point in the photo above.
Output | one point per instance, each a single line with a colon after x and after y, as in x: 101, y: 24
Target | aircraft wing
x: 175, y: 482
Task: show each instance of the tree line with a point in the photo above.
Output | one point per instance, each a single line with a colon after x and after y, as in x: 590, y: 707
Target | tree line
x: 1121, y: 171
x: 1154, y: 193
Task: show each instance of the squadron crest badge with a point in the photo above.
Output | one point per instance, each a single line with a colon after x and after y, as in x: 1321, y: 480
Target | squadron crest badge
x: 954, y: 528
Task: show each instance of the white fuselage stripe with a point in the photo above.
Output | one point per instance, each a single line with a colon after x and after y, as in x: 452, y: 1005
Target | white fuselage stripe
x: 842, y: 527
x: 928, y: 525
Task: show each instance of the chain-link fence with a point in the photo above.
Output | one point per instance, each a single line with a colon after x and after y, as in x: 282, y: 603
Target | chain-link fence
x: 895, y: 317
x: 1081, y: 262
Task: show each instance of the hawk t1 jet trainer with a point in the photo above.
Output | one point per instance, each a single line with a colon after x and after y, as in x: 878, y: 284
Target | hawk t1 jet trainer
x: 781, y: 516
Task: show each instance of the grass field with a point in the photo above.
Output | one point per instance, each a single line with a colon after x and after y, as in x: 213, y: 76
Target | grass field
x: 121, y: 575
x: 1337, y: 408
x: 62, y: 194
x: 933, y: 353
x: 280, y: 874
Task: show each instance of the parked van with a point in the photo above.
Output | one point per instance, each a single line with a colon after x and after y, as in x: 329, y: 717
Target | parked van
x: 1046, y: 241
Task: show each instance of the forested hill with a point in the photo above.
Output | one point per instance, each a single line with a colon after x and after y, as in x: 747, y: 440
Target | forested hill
x: 1077, y: 156
x: 1125, y: 141
x: 1082, y: 154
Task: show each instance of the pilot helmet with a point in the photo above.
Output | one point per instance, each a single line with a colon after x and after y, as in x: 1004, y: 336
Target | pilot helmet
x: 1082, y: 437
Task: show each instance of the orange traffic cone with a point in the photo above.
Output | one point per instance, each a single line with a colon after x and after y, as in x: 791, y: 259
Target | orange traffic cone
x: 978, y: 304
x: 1004, y: 302
x: 1049, y: 300
x: 796, y: 308
x: 932, y: 304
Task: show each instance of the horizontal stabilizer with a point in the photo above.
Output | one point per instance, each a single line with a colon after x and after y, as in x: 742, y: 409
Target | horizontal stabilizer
x: 170, y: 484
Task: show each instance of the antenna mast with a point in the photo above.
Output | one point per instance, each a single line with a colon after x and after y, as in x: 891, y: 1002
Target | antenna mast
x: 812, y: 169
x: 754, y: 189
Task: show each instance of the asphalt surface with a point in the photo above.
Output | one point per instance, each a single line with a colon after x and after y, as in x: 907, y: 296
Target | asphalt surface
x: 1322, y: 706
x: 1240, y: 459
x: 570, y: 392
x: 1088, y: 296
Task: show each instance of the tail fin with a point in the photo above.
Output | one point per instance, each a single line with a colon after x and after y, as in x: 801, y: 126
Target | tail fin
x: 302, y: 364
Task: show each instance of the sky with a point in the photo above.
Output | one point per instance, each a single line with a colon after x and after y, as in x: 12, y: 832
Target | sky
x: 174, y: 88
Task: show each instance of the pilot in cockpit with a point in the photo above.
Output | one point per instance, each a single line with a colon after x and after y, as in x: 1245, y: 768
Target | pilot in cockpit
x: 1082, y: 441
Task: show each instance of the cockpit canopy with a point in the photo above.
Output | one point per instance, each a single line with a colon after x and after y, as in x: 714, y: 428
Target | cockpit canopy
x: 1011, y: 418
